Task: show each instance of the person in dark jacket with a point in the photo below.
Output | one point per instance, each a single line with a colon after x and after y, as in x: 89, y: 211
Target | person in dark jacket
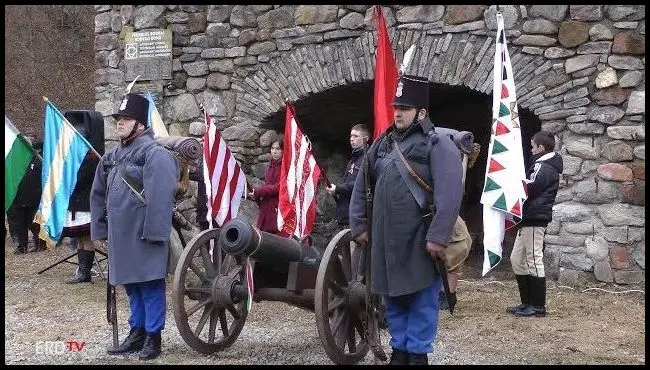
x: 266, y: 196
x: 407, y: 236
x: 527, y: 257
x: 359, y: 135
x: 20, y: 214
x: 137, y: 223
x: 77, y: 223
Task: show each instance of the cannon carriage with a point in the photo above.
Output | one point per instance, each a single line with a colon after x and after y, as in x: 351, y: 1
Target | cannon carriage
x: 212, y: 279
x: 210, y: 289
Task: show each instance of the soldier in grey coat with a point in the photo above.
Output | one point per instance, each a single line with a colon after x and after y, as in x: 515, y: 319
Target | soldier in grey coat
x: 411, y: 227
x: 134, y: 184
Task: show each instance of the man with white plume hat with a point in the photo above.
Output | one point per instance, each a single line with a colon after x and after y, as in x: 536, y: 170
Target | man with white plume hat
x: 417, y: 181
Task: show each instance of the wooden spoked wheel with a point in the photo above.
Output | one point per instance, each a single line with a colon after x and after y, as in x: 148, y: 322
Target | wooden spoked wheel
x: 339, y: 301
x: 207, y: 318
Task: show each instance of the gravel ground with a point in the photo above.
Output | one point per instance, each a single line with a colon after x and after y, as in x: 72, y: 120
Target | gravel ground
x: 44, y: 308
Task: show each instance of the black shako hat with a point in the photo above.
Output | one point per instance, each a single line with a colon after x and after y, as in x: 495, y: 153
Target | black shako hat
x: 134, y: 106
x: 412, y: 91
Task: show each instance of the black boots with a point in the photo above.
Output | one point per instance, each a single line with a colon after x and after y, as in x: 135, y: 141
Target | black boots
x: 133, y: 343
x: 405, y: 358
x: 524, y: 293
x: 86, y: 259
x: 151, y: 348
x: 139, y: 340
x: 399, y: 357
x: 418, y: 359
x: 536, y: 298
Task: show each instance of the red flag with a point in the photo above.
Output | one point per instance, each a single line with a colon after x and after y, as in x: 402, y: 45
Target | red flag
x: 224, y: 180
x: 385, y: 77
x: 298, y: 181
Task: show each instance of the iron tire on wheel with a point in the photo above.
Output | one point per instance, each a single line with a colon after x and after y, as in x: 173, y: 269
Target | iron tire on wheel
x: 332, y: 306
x: 191, y: 301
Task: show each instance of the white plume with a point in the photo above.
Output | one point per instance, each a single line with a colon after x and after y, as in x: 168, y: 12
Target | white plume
x: 128, y: 88
x: 408, y: 56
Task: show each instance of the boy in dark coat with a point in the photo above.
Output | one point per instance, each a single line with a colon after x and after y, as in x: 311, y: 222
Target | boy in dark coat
x: 527, y: 257
x: 359, y: 136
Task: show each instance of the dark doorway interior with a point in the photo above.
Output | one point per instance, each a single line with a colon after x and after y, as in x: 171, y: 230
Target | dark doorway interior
x: 327, y: 117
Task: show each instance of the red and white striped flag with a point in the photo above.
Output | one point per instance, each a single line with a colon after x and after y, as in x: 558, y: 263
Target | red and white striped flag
x: 225, y: 182
x: 298, y: 181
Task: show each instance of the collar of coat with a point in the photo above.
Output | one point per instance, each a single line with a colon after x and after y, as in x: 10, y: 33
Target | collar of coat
x: 145, y: 135
x: 424, y: 125
x: 545, y: 157
x: 357, y: 152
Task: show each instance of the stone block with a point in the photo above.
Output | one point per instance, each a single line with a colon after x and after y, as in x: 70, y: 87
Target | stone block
x: 629, y: 276
x: 603, y: 271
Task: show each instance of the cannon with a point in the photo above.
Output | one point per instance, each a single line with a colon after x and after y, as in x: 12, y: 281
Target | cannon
x: 211, y: 279
x: 210, y: 288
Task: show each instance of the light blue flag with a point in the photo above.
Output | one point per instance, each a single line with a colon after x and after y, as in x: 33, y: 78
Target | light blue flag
x: 63, y: 151
x: 155, y: 121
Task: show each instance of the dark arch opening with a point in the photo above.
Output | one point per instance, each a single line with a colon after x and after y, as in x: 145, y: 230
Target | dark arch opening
x: 327, y: 117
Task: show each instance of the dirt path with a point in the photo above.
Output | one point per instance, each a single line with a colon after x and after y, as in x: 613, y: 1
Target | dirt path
x: 592, y: 327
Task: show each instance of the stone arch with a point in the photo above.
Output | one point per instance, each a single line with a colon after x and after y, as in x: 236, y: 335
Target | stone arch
x: 451, y: 59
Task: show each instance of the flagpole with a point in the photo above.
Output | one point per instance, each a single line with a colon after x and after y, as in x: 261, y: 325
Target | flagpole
x: 293, y: 112
x: 36, y: 153
x: 65, y: 121
x: 23, y: 138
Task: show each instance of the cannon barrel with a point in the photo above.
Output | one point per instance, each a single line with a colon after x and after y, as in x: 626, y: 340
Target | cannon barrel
x: 238, y: 237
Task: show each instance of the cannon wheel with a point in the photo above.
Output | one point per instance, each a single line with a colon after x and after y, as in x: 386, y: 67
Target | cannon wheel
x: 193, y: 296
x: 339, y: 323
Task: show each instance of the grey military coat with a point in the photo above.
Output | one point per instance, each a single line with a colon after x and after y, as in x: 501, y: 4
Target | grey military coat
x: 138, y: 233
x: 400, y: 263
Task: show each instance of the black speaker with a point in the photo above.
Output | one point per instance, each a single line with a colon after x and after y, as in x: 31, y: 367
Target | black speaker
x: 90, y: 125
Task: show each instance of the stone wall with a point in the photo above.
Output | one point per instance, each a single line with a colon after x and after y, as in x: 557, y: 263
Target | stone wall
x: 579, y: 68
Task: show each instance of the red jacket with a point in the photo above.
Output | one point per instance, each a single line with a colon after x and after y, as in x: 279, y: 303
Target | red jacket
x: 267, y: 199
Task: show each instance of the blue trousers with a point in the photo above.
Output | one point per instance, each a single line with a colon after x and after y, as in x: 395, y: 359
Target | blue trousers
x: 413, y: 319
x: 148, y: 305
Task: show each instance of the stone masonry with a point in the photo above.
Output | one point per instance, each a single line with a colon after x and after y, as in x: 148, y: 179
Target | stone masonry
x: 579, y: 68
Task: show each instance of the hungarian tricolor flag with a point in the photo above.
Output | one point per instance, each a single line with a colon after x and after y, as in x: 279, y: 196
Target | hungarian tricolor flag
x: 385, y: 76
x: 298, y: 181
x: 504, y: 190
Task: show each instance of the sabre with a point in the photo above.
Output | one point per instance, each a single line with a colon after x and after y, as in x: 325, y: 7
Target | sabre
x: 442, y: 270
x: 137, y: 194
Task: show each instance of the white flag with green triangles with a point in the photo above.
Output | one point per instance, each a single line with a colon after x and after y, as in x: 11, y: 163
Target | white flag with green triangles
x: 504, y: 190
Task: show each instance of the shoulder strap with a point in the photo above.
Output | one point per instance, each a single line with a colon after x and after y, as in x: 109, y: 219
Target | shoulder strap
x: 415, y: 188
x: 417, y: 178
